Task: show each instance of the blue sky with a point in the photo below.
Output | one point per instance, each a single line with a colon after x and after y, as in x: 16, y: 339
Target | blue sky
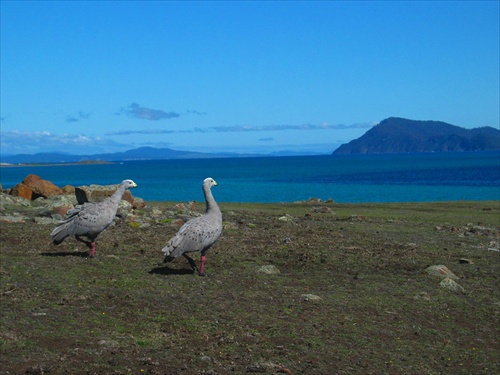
x: 92, y: 77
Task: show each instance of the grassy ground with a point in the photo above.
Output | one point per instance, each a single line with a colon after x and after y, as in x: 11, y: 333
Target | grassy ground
x: 379, y: 312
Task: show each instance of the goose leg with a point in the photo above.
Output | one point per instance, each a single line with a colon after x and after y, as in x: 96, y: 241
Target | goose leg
x: 90, y: 245
x: 191, y: 262
x: 202, y: 265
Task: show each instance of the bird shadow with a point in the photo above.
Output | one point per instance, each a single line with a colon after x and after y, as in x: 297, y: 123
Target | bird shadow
x: 81, y: 254
x: 170, y: 271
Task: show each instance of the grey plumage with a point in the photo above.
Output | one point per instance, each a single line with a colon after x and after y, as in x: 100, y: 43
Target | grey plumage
x: 198, y: 234
x: 90, y: 219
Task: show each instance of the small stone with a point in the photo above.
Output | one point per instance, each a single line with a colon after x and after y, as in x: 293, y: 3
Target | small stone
x: 268, y: 270
x: 423, y: 296
x: 452, y: 285
x: 310, y: 298
x: 44, y: 220
x: 441, y: 272
x: 13, y: 219
x: 156, y: 213
x: 322, y: 210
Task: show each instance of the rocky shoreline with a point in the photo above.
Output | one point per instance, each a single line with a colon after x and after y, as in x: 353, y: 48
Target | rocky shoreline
x: 42, y: 202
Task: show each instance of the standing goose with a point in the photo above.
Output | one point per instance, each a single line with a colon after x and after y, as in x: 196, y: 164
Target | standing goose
x: 198, y: 234
x: 90, y: 219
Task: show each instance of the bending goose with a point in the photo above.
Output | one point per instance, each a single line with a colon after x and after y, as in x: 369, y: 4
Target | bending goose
x: 90, y: 219
x: 198, y: 234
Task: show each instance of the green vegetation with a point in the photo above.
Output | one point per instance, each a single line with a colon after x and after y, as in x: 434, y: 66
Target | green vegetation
x: 379, y: 312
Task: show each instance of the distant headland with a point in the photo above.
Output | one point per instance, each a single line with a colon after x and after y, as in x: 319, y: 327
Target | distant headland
x: 396, y: 135
x: 45, y: 164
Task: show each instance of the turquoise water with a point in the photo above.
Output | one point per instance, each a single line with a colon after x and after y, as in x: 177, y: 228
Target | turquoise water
x: 418, y: 177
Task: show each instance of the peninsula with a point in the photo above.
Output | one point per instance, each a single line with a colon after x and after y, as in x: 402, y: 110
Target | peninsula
x: 395, y: 135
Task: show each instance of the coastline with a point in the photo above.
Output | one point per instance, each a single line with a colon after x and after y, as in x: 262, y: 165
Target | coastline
x: 62, y: 164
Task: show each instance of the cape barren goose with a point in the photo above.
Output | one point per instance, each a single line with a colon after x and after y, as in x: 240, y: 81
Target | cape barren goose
x: 198, y: 234
x: 90, y: 219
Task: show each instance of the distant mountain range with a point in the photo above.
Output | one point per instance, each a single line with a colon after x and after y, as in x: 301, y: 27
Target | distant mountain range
x: 142, y: 153
x: 391, y: 135
x: 394, y: 135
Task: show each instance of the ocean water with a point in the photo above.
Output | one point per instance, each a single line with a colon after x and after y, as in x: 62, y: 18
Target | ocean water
x: 416, y: 177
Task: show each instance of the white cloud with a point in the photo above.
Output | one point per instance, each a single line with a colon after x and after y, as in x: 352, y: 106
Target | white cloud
x: 24, y: 142
x: 245, y: 128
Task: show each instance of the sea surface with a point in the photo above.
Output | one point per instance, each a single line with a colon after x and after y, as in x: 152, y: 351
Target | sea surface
x: 412, y: 177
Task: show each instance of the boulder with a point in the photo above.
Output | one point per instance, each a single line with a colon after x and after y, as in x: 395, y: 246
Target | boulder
x: 58, y: 204
x: 40, y: 187
x: 11, y: 200
x: 21, y: 190
x: 68, y: 190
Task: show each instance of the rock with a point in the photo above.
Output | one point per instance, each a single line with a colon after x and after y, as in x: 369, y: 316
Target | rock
x: 138, y: 203
x: 21, y: 190
x: 263, y: 367
x: 177, y: 223
x: 44, y: 220
x: 465, y: 260
x: 46, y: 208
x: 310, y: 298
x: 93, y: 193
x: 314, y: 200
x: 229, y: 225
x: 322, y: 210
x: 58, y: 204
x: 441, y: 272
x: 57, y: 217
x: 124, y: 208
x: 68, y: 190
x: 452, y: 285
x: 286, y: 218
x: 13, y: 219
x: 11, y: 200
x: 423, y: 296
x: 156, y: 213
x: 268, y: 270
x: 40, y: 187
